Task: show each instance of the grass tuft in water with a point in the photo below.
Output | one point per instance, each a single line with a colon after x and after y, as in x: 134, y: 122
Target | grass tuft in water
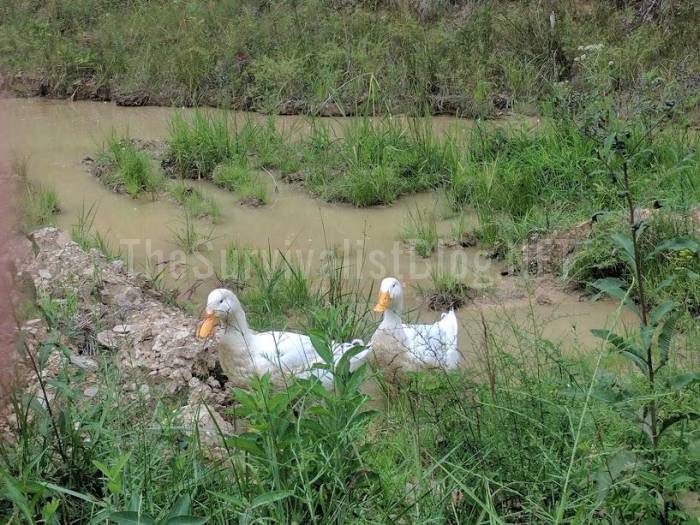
x: 421, y: 231
x: 84, y: 233
x: 39, y: 202
x: 193, y: 199
x: 189, y: 237
x: 125, y: 168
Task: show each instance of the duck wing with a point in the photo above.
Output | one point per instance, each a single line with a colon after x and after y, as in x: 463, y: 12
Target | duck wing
x: 434, y: 345
x: 288, y: 350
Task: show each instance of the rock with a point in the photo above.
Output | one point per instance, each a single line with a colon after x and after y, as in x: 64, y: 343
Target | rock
x: 207, y: 420
x: 90, y: 392
x: 45, y: 274
x: 110, y: 340
x: 83, y: 362
x: 120, y: 295
x: 548, y: 253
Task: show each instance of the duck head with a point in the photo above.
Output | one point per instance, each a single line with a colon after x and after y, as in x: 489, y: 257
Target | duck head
x: 222, y: 306
x: 390, y: 296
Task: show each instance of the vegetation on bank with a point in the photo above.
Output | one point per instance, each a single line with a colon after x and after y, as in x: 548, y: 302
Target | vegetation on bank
x: 442, y: 449
x: 38, y: 202
x: 317, y: 57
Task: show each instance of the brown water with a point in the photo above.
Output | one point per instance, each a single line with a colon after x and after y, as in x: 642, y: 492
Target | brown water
x: 54, y: 136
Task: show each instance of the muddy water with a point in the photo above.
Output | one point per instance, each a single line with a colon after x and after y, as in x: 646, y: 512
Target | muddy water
x: 53, y: 137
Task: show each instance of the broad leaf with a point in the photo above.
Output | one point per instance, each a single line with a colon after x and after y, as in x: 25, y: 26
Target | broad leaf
x: 681, y: 381
x: 614, y: 287
x: 661, y: 311
x: 130, y: 518
x: 665, y: 336
x: 181, y: 506
x: 186, y: 520
x: 625, y: 243
x: 626, y: 347
x: 270, y: 497
x: 675, y: 245
x: 322, y: 347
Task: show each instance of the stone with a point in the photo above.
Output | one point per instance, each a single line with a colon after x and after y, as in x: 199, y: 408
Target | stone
x: 90, y: 392
x: 45, y: 274
x: 83, y: 362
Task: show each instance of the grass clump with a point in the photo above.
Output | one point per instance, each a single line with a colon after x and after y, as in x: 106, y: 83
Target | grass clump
x: 125, y: 168
x: 195, y: 202
x: 447, y: 292
x: 236, y: 176
x: 197, y: 146
x: 39, y: 202
x: 375, y: 162
x: 189, y: 237
x: 421, y: 231
x: 83, y: 232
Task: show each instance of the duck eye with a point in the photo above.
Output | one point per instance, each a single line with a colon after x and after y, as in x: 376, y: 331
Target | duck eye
x: 221, y: 301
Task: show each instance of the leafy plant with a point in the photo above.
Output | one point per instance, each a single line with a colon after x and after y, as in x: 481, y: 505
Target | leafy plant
x: 649, y: 350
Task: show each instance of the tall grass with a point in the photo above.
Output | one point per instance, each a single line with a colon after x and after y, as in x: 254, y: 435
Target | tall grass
x: 124, y: 167
x: 401, y: 59
x: 39, y: 202
x: 83, y: 232
x: 489, y: 444
x: 421, y: 231
x: 188, y: 236
x: 375, y: 162
x: 195, y: 202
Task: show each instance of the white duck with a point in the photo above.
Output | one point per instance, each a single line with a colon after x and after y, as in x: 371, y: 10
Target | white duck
x: 412, y: 347
x: 243, y: 352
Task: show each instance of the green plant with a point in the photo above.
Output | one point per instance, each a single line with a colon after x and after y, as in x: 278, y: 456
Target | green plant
x: 189, y: 236
x: 421, y: 231
x: 648, y: 404
x: 83, y: 232
x: 39, y: 203
x: 127, y: 168
x: 233, y: 174
x: 197, y: 146
x: 304, y: 444
x: 195, y: 202
x: 254, y: 191
x: 447, y: 292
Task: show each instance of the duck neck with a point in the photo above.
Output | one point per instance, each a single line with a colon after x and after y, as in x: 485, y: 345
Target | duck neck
x: 392, y: 319
x: 237, y: 325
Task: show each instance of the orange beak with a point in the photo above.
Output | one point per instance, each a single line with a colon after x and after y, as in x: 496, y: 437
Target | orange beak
x: 383, y: 302
x: 206, y: 327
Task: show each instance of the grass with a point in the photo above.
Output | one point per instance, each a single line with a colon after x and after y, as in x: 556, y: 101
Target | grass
x: 446, y: 291
x: 39, y: 202
x: 375, y: 162
x: 195, y: 202
x: 84, y: 233
x: 421, y: 231
x: 444, y: 449
x: 125, y: 168
x: 189, y: 237
x: 472, y: 59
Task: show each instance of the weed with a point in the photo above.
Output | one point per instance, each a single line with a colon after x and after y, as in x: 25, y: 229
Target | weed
x: 83, y: 232
x: 189, y: 237
x: 125, y: 168
x: 195, y: 202
x: 446, y: 292
x: 197, y: 146
x: 421, y: 231
x: 39, y: 203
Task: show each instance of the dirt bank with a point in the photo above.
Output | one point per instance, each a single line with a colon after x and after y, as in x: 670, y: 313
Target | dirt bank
x: 117, y: 320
